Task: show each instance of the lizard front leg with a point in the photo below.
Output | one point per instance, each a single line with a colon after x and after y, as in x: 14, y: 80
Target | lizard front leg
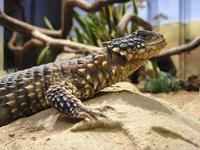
x: 63, y: 100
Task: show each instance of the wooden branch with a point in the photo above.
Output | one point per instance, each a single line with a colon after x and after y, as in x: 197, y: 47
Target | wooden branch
x: 39, y: 34
x: 122, y: 26
x: 42, y: 36
x: 181, y: 49
x: 51, y: 42
x: 26, y: 47
x: 69, y: 5
x: 22, y: 27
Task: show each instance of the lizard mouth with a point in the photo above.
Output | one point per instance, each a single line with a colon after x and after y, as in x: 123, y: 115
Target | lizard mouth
x: 155, y: 47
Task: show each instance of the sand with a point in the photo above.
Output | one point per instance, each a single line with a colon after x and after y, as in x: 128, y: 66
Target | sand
x: 140, y: 121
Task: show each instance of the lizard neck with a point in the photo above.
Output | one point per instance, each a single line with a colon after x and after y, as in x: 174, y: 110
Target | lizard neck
x: 121, y: 72
x: 121, y: 68
x: 95, y: 72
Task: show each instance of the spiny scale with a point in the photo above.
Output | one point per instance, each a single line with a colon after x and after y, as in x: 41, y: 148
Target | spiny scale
x: 64, y: 84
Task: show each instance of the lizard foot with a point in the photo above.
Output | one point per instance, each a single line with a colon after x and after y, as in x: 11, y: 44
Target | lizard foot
x: 67, y: 103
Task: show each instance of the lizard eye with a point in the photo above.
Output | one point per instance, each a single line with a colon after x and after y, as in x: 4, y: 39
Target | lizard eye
x: 145, y: 35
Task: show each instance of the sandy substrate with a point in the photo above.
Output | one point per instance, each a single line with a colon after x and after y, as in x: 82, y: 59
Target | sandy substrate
x: 139, y: 122
x: 187, y: 101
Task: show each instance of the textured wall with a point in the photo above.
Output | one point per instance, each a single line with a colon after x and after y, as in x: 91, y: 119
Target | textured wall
x: 1, y: 41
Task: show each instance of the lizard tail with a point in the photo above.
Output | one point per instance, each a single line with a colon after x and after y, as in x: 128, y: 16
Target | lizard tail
x: 4, y: 113
x: 22, y: 94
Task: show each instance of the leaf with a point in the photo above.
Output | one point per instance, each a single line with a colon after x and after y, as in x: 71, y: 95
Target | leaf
x: 45, y: 56
x: 155, y: 67
x: 108, y: 18
x: 79, y: 36
x: 48, y: 23
x: 116, y: 16
x: 86, y: 28
x: 100, y: 26
x: 135, y: 8
x: 124, y: 8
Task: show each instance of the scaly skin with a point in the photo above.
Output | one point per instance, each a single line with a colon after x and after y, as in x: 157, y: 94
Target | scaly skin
x: 65, y: 84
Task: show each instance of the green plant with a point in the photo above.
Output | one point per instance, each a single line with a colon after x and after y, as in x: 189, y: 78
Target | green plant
x: 48, y: 23
x: 11, y: 70
x: 95, y: 28
x: 46, y: 54
x: 163, y: 82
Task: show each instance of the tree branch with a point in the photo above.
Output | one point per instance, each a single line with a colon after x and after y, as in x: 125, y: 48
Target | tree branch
x: 39, y: 34
x: 180, y: 49
x: 22, y: 27
x: 51, y: 42
x: 28, y: 45
x: 122, y: 26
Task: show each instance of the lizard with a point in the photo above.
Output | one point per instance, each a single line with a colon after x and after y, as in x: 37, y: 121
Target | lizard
x: 65, y: 84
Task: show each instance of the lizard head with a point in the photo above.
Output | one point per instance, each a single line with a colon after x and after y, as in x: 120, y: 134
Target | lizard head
x: 140, y: 45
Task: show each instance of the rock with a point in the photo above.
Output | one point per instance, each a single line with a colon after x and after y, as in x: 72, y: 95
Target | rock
x: 193, y: 108
x: 139, y: 122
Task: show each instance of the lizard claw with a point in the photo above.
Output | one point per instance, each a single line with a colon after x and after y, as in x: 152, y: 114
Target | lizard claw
x: 105, y: 108
x: 93, y: 114
x: 96, y: 114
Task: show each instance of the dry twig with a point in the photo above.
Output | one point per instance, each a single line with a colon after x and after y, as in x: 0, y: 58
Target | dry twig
x: 22, y: 27
x: 39, y: 36
x: 122, y: 26
x: 26, y: 47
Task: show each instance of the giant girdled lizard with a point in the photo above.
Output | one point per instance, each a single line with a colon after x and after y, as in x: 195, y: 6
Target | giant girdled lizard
x: 64, y: 85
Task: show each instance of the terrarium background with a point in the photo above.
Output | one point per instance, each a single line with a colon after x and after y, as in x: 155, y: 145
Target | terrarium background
x: 178, y: 20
